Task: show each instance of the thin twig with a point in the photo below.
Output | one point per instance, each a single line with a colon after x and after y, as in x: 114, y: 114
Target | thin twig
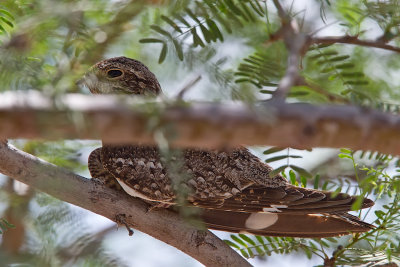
x: 281, y: 12
x: 353, y: 40
x: 331, y: 97
x: 188, y: 86
x: 295, y: 42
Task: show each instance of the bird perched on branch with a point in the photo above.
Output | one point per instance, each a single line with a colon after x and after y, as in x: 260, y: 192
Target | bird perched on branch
x: 233, y: 188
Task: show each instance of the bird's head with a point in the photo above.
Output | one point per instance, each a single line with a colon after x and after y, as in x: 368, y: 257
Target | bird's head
x: 121, y: 75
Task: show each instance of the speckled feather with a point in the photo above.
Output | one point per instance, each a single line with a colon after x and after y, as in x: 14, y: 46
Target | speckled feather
x: 236, y: 180
x: 233, y: 189
x: 212, y: 175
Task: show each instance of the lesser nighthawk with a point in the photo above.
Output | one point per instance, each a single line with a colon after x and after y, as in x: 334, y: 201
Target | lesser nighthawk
x: 233, y: 188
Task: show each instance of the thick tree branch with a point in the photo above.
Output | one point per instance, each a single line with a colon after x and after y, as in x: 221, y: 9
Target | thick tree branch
x: 164, y: 225
x: 354, y: 40
x: 204, y: 125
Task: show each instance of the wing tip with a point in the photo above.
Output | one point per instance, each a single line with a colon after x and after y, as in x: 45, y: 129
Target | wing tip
x: 286, y: 225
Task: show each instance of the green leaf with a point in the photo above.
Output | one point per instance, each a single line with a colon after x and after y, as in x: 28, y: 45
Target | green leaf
x: 163, y: 53
x: 7, y: 13
x: 181, y: 19
x: 231, y: 244
x: 5, y: 225
x: 172, y: 23
x: 257, y: 7
x: 206, y: 33
x: 352, y: 74
x: 161, y: 31
x: 214, y: 29
x: 357, y: 204
x: 192, y: 15
x: 292, y: 177
x: 343, y: 156
x: 303, y: 181
x: 380, y: 214
x: 238, y: 240
x: 273, y: 150
x: 297, y: 94
x: 9, y: 23
x: 247, y: 11
x: 356, y: 82
x: 277, y: 171
x: 269, y: 92
x: 301, y: 171
x: 150, y: 40
x: 218, y: 17
x: 2, y: 29
x: 338, y: 58
x: 316, y: 181
x: 325, y: 185
x: 247, y: 239
x: 345, y: 150
x: 260, y: 239
x: 345, y: 66
x: 178, y: 49
x: 250, y: 252
x: 234, y: 8
x: 275, y: 158
x: 196, y: 38
x: 244, y: 253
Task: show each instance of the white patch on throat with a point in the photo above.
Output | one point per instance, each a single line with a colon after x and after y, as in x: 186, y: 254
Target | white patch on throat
x: 258, y: 221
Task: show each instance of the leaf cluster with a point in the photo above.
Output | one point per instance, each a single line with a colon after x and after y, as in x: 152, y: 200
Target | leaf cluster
x: 5, y: 225
x: 204, y: 22
x: 6, y: 21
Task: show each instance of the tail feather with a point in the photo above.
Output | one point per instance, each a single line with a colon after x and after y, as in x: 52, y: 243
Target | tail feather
x: 285, y: 225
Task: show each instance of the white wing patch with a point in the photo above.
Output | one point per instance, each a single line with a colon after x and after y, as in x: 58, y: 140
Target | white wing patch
x: 257, y: 221
x: 275, y: 208
x: 130, y: 191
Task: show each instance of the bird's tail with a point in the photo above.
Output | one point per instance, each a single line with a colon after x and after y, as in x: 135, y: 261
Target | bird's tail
x: 285, y: 225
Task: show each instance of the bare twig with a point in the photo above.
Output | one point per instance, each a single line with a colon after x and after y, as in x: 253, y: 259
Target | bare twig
x: 161, y: 224
x: 205, y: 125
x: 281, y: 12
x: 295, y: 42
x: 354, y: 40
x: 189, y: 85
x: 333, y: 98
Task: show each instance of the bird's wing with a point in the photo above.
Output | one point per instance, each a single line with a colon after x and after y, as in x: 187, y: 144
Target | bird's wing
x: 140, y: 172
x: 289, y: 200
x: 285, y: 211
x: 244, y: 213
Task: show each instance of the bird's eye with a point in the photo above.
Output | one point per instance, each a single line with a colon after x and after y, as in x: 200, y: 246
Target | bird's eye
x: 114, y: 73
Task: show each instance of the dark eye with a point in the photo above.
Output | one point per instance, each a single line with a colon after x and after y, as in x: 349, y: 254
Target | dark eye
x: 114, y: 73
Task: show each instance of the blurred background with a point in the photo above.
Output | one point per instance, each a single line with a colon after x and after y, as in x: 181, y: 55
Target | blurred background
x: 47, y: 45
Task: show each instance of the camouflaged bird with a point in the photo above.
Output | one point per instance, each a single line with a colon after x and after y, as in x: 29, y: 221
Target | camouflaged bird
x: 233, y: 188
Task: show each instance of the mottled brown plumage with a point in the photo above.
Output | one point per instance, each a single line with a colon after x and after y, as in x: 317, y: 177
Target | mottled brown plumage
x: 233, y: 188
x: 121, y: 75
